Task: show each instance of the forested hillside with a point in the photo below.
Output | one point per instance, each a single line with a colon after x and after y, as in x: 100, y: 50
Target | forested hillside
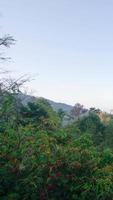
x: 67, y: 112
x: 55, y: 105
x: 40, y: 160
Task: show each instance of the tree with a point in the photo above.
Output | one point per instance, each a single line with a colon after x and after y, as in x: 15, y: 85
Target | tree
x: 10, y: 103
x: 61, y: 114
x: 92, y: 124
x: 96, y: 110
x: 40, y: 115
x: 6, y: 41
x: 76, y: 111
x: 109, y: 135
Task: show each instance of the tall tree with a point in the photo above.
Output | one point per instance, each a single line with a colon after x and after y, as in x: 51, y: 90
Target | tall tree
x: 77, y: 110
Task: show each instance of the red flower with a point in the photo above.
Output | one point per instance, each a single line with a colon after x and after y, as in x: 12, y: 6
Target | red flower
x: 58, y: 174
x: 50, y: 187
x: 53, y: 168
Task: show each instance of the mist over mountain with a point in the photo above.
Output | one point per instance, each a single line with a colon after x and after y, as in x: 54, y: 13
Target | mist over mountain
x: 55, y: 105
x: 68, y: 110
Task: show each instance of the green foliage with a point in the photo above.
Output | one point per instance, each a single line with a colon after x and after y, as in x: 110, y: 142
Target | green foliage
x: 9, y: 110
x: 90, y: 124
x: 61, y: 114
x: 37, y: 166
x: 39, y: 160
x: 40, y: 115
x: 109, y: 135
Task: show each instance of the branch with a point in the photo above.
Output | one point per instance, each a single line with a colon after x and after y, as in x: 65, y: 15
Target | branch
x: 7, y: 41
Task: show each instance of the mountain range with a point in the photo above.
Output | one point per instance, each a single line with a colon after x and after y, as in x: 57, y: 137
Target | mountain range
x: 55, y: 105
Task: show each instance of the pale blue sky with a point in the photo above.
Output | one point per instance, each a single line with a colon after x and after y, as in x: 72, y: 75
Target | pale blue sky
x: 68, y: 43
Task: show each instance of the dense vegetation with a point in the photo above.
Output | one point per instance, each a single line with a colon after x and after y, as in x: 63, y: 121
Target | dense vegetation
x: 40, y: 160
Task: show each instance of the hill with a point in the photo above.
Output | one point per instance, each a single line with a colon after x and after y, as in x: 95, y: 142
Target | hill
x: 55, y: 105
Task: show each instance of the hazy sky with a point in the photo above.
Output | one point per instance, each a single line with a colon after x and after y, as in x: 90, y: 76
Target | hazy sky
x: 68, y: 43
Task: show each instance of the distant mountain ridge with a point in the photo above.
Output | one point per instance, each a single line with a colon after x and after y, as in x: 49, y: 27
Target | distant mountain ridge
x: 68, y: 119
x: 55, y: 105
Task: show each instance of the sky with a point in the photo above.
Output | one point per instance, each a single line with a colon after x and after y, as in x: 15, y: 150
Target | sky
x: 67, y: 45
